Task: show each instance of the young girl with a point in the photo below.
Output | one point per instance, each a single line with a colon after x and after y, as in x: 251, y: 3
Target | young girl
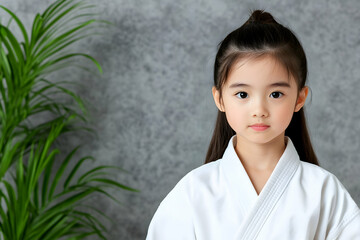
x: 261, y: 179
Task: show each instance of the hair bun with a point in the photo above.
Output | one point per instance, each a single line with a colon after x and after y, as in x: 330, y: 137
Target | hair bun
x: 260, y: 16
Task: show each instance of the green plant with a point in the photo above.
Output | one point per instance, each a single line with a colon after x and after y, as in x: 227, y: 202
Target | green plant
x: 33, y: 204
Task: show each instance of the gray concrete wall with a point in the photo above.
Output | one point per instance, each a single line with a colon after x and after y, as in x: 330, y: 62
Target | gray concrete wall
x: 153, y: 107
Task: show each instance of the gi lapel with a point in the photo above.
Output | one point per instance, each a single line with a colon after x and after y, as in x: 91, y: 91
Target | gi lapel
x: 238, y: 182
x: 256, y: 209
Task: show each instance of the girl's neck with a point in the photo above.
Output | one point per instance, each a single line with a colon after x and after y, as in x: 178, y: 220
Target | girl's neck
x: 259, y: 157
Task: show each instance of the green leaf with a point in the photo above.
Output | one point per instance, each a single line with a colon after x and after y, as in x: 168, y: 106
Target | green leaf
x: 19, y: 23
x: 114, y: 183
x: 60, y: 172
x: 75, y: 169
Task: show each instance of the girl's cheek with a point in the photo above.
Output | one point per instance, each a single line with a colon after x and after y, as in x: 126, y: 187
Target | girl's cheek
x: 287, y: 115
x: 285, y: 112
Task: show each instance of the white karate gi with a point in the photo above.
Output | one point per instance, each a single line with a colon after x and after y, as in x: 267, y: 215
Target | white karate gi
x: 218, y: 201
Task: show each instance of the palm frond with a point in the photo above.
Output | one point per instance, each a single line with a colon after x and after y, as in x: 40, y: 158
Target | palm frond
x: 35, y: 205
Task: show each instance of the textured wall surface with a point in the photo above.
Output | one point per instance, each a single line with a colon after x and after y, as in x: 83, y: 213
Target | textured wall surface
x: 153, y: 108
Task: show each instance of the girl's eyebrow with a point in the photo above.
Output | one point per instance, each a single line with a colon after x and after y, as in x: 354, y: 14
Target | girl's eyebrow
x: 277, y: 84
x: 280, y: 84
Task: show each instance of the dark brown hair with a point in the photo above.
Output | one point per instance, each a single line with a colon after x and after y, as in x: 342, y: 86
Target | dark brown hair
x: 261, y: 35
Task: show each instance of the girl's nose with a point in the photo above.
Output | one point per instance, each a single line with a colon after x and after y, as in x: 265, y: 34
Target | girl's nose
x: 260, y: 109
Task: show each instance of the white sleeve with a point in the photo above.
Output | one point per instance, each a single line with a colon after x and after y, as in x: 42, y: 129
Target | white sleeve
x: 350, y: 228
x: 344, y: 221
x: 173, y: 218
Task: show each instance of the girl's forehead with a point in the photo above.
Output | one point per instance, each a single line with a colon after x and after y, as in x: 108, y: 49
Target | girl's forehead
x: 262, y: 70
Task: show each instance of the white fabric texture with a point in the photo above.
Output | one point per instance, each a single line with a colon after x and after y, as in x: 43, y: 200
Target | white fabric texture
x: 218, y: 201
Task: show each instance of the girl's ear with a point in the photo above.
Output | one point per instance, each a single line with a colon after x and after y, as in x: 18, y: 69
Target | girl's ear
x: 301, y: 98
x: 216, y: 95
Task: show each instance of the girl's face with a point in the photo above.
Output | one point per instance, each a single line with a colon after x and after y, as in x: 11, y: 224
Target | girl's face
x: 259, y: 100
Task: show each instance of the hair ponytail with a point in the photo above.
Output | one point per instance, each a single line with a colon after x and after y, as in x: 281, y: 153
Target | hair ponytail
x: 260, y: 16
x: 261, y: 35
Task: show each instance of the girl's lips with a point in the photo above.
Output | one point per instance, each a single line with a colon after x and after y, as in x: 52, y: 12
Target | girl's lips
x: 259, y: 127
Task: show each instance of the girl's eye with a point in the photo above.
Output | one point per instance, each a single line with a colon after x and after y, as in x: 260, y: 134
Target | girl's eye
x: 242, y: 95
x: 276, y: 95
